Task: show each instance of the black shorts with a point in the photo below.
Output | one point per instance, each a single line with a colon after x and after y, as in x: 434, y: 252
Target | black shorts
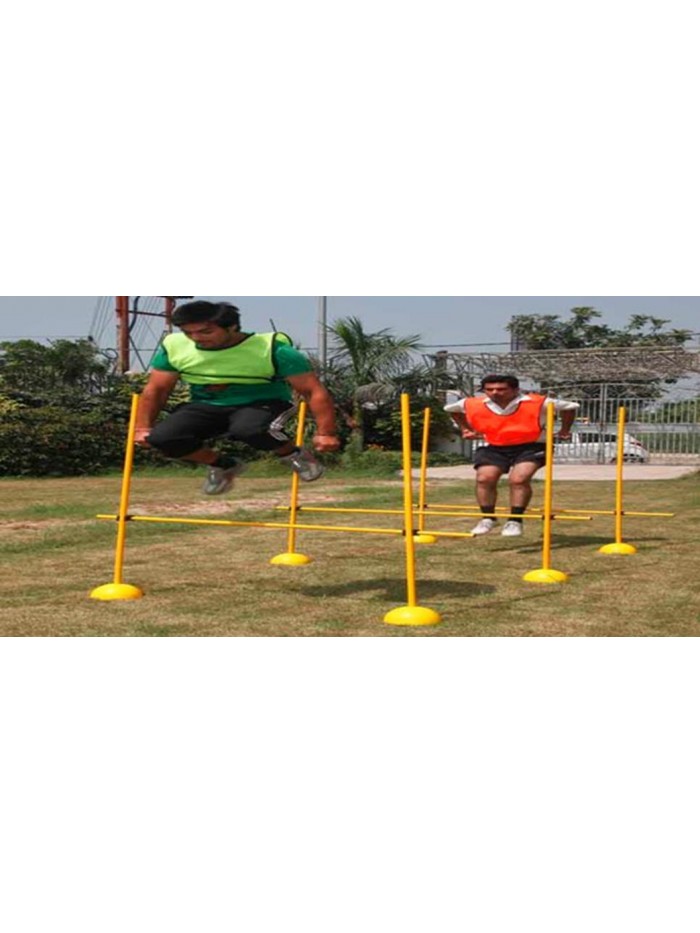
x: 260, y: 425
x: 507, y: 456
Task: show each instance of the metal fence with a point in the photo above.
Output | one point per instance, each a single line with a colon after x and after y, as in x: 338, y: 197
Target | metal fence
x: 656, y: 431
x: 659, y: 430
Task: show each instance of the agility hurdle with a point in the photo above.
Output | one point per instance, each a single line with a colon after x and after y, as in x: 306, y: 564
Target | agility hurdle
x: 419, y: 535
x: 618, y: 546
x: 410, y: 614
x: 293, y: 557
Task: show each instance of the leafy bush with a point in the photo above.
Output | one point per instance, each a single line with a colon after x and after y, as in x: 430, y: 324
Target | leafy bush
x: 385, y: 427
x: 373, y: 460
x: 55, y: 442
x: 443, y: 458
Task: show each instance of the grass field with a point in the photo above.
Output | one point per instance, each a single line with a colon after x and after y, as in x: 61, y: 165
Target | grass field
x: 209, y: 581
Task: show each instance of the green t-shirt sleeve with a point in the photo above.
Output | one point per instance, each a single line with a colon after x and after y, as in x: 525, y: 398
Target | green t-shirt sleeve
x: 290, y: 361
x: 161, y: 361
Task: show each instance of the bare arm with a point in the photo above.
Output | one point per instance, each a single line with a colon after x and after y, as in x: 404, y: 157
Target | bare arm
x: 458, y: 415
x: 567, y: 413
x: 567, y: 419
x: 157, y: 392
x: 321, y: 406
x: 466, y: 430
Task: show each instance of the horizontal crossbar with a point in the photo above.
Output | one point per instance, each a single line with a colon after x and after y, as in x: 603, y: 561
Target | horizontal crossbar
x: 222, y: 521
x: 326, y: 508
x: 473, y: 510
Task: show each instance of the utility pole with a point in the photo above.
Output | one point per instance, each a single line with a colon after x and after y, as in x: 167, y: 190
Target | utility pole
x: 170, y: 305
x: 127, y: 314
x: 322, y: 334
x: 123, y: 343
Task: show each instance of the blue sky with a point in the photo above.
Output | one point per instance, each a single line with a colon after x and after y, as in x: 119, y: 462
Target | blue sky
x: 440, y: 320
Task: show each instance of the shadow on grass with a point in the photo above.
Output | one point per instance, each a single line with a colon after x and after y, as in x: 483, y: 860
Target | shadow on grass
x: 560, y: 544
x: 394, y: 590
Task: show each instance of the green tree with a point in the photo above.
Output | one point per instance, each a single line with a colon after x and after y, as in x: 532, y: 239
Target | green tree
x: 66, y: 373
x: 549, y: 332
x: 364, y: 370
x: 63, y: 411
x: 581, y: 331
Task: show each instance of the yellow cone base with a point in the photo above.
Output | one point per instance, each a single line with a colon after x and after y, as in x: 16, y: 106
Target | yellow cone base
x: 291, y: 559
x: 412, y: 615
x: 545, y: 576
x: 116, y: 591
x: 423, y: 538
x: 617, y: 548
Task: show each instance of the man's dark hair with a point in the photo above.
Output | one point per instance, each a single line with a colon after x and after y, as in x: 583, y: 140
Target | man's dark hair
x: 512, y: 381
x: 216, y: 312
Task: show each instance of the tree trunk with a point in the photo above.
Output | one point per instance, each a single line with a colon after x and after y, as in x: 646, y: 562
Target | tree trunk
x: 357, y: 438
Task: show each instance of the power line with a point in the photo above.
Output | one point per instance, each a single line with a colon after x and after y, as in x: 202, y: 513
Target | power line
x: 432, y: 346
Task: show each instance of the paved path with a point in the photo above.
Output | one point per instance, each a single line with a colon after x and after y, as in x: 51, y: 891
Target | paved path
x: 579, y: 471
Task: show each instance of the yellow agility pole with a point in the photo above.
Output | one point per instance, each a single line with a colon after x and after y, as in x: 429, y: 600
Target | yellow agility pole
x: 422, y: 537
x: 117, y: 589
x: 410, y: 614
x: 619, y: 546
x: 545, y: 574
x: 290, y: 557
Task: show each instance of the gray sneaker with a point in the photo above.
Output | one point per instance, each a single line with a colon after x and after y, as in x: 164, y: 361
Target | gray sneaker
x: 220, y: 480
x: 303, y: 462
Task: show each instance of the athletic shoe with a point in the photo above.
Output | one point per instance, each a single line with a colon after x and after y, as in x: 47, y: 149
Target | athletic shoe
x: 484, y: 526
x: 512, y: 529
x: 303, y: 462
x: 220, y: 480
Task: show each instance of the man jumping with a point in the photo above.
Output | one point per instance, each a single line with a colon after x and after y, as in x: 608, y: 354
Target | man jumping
x: 240, y: 388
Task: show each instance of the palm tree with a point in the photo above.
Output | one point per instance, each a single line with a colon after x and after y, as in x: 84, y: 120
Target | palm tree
x: 363, y: 368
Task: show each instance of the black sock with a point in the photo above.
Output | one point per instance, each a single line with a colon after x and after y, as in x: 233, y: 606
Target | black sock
x: 488, y: 510
x: 517, y: 510
x: 226, y: 461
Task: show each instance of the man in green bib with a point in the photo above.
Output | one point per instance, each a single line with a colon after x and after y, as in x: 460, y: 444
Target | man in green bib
x: 240, y: 387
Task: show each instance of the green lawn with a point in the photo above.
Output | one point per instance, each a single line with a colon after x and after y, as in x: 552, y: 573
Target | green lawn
x: 217, y: 581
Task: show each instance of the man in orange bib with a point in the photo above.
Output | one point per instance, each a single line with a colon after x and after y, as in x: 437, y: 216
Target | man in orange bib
x: 513, y: 425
